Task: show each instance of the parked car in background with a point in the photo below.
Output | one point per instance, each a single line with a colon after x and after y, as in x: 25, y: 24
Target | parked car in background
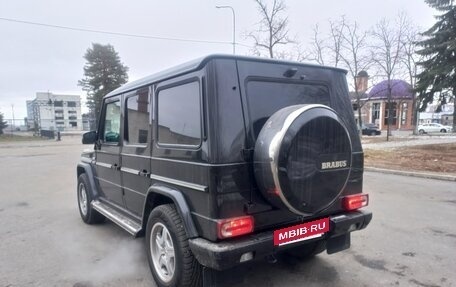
x: 370, y: 130
x: 434, y: 128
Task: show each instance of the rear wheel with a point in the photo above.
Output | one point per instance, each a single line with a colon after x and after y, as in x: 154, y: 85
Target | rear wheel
x: 443, y: 131
x: 170, y: 258
x: 421, y: 132
x: 88, y: 214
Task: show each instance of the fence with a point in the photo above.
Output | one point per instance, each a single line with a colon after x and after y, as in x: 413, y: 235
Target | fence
x: 16, y: 125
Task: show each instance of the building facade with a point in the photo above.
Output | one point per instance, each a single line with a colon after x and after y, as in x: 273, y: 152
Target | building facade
x: 56, y: 112
x: 444, y: 116
x: 375, y: 106
x: 447, y: 119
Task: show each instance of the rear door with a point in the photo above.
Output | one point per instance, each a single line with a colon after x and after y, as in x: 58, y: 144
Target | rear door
x: 108, y: 152
x: 136, y: 148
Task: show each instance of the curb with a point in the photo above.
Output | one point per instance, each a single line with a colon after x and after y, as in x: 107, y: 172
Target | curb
x: 446, y: 177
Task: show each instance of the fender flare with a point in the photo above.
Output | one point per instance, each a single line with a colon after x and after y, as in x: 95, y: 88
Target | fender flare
x: 181, y: 206
x: 87, y: 167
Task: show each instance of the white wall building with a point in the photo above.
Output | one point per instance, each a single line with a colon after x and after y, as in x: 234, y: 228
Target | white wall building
x: 58, y: 112
x: 431, y: 116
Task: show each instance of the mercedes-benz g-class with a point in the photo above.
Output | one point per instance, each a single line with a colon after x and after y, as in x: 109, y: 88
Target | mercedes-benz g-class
x: 226, y: 160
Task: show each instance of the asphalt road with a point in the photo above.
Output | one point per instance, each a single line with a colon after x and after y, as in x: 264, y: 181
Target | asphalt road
x: 410, y: 242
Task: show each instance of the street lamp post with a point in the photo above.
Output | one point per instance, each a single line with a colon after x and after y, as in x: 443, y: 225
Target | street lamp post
x: 234, y: 25
x: 12, y: 124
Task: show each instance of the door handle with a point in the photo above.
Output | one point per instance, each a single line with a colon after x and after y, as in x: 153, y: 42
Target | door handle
x: 143, y: 173
x: 115, y: 166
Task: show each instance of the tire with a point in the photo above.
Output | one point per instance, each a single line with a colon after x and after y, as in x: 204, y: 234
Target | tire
x: 307, y: 251
x: 302, y: 158
x: 421, y: 132
x: 170, y: 259
x: 84, y: 195
x: 443, y: 131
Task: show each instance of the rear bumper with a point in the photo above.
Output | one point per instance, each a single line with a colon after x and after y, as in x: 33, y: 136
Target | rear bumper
x: 227, y: 254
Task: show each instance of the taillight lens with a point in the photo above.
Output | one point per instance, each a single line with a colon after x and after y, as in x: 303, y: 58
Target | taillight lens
x: 236, y: 226
x: 356, y: 201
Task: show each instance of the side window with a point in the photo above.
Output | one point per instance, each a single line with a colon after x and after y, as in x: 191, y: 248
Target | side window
x: 137, y: 118
x: 112, y: 123
x: 179, y: 115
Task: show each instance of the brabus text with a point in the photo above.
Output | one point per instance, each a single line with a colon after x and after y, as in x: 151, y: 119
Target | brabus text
x: 334, y: 164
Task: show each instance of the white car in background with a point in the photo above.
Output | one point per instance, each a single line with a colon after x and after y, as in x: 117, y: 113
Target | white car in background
x: 434, y: 128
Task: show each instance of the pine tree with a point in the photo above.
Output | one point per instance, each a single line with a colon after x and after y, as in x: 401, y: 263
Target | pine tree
x: 3, y: 124
x: 437, y: 81
x: 103, y: 73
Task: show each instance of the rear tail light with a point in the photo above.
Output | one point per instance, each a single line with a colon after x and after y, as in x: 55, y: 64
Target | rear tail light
x: 236, y: 226
x: 356, y: 201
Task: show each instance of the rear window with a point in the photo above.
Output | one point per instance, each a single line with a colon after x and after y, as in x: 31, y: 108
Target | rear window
x: 266, y: 98
x: 179, y: 115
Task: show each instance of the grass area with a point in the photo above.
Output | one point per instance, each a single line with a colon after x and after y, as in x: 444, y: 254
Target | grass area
x: 378, y: 139
x: 433, y: 158
x: 16, y: 138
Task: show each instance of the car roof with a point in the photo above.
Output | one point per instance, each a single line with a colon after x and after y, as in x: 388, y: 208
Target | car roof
x: 197, y: 64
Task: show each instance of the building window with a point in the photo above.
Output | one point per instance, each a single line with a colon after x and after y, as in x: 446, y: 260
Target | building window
x: 72, y: 112
x: 72, y: 118
x: 58, y: 103
x: 74, y: 124
x: 137, y: 118
x: 71, y: 104
x: 58, y: 117
x: 375, y: 112
x: 393, y: 113
x: 179, y: 115
x: 404, y: 113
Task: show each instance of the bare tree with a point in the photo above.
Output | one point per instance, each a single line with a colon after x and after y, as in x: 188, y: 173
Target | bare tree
x: 410, y: 60
x: 318, y: 47
x: 356, y: 56
x: 326, y: 48
x: 337, y: 38
x: 273, y: 28
x: 387, y: 54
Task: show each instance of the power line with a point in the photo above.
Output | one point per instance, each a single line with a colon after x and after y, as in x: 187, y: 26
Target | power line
x: 117, y: 33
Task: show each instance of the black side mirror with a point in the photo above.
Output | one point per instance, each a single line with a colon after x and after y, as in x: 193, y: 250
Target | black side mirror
x: 89, y: 137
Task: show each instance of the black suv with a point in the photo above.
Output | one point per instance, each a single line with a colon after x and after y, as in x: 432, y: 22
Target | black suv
x: 226, y: 160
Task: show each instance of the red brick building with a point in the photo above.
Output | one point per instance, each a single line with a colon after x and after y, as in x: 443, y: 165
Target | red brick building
x: 375, y: 107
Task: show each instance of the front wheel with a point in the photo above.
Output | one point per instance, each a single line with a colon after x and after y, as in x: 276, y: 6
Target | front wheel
x: 170, y: 258
x: 421, y: 132
x: 443, y: 131
x: 88, y: 214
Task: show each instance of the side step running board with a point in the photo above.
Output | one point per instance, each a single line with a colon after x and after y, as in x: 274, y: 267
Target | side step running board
x: 126, y: 223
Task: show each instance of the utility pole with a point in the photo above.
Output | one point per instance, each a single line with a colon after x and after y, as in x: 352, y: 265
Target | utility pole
x: 234, y: 25
x: 12, y: 124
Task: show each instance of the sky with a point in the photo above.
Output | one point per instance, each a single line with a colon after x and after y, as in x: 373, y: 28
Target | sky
x: 40, y: 59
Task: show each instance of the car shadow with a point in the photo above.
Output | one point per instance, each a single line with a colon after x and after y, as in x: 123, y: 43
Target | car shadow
x: 287, y: 271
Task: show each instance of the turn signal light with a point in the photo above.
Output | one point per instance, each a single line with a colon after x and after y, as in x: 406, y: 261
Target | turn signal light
x: 236, y: 226
x: 356, y: 201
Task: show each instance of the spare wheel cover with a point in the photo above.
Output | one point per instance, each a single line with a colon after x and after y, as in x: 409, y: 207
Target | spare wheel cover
x: 302, y: 158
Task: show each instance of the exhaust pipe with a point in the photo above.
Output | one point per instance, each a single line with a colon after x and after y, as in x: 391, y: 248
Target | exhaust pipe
x: 271, y: 259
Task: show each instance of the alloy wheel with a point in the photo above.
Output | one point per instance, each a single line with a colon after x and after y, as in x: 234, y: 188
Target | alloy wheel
x: 83, y: 204
x: 162, y: 252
